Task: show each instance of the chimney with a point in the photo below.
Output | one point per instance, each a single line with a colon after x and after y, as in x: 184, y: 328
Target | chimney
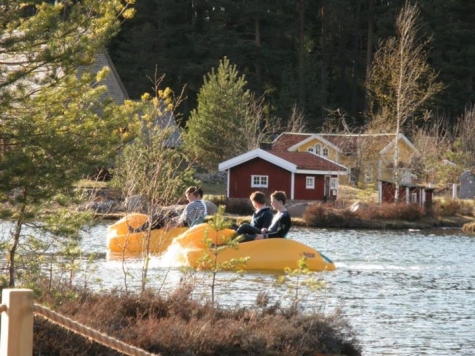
x: 266, y: 146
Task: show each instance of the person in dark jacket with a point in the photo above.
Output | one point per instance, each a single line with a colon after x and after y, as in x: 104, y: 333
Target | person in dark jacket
x: 281, y: 221
x: 261, y: 219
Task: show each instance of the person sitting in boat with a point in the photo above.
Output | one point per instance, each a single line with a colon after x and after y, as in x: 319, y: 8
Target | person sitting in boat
x: 195, y: 212
x: 261, y: 219
x: 281, y: 221
x: 200, y: 192
x: 155, y: 222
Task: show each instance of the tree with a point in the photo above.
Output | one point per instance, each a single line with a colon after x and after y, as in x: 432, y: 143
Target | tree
x: 214, y: 130
x: 401, y: 82
x: 154, y: 165
x: 433, y: 140
x: 57, y: 122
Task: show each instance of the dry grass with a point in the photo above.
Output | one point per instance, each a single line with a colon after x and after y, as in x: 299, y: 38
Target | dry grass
x: 366, y: 215
x: 452, y: 207
x: 179, y: 325
x: 348, y: 195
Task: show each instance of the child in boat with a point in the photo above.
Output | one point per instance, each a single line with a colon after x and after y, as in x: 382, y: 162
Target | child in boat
x: 195, y: 212
x: 281, y: 221
x: 261, y: 219
x: 156, y: 221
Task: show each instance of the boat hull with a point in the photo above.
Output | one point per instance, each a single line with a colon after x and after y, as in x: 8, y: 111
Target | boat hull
x: 120, y: 240
x: 268, y: 254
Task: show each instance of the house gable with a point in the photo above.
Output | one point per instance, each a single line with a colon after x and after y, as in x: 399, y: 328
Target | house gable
x: 371, y: 156
x: 115, y: 87
x: 257, y: 153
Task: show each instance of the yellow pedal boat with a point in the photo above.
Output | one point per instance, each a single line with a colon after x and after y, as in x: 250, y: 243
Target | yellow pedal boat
x: 268, y: 254
x: 121, y: 240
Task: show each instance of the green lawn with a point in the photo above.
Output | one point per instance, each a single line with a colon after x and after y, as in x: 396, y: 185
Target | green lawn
x: 214, y: 188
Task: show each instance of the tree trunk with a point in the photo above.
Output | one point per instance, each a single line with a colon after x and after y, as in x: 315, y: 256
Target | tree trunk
x: 301, y: 54
x: 16, y: 242
x: 369, y: 47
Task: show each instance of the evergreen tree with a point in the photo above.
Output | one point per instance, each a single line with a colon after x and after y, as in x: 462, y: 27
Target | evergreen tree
x: 214, y: 131
x: 57, y: 122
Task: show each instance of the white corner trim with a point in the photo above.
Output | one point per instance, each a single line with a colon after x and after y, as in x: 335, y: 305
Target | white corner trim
x: 257, y: 153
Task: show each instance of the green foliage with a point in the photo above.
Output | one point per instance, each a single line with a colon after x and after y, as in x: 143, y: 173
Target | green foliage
x: 209, y: 260
x: 300, y: 281
x: 214, y: 128
x: 154, y: 165
x: 57, y: 121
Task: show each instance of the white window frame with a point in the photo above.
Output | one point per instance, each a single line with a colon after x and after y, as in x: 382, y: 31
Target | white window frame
x: 259, y: 181
x: 309, y: 182
x: 334, y: 183
x: 325, y: 152
x: 311, y: 150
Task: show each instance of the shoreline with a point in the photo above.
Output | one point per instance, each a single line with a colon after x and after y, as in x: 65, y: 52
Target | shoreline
x: 450, y: 222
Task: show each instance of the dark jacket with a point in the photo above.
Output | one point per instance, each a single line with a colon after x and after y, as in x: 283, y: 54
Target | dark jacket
x: 262, y: 218
x: 281, y: 227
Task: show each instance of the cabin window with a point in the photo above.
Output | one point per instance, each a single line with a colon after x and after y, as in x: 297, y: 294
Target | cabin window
x: 368, y: 174
x: 259, y: 181
x: 310, y: 182
x: 318, y: 149
x: 325, y: 152
x: 353, y: 175
x: 333, y: 183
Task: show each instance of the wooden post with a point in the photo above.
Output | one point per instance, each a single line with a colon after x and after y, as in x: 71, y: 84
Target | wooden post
x: 17, y: 323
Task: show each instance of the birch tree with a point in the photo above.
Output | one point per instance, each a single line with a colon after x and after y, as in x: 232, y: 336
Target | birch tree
x: 401, y: 82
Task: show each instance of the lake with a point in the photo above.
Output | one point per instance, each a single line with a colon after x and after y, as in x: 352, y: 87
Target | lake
x: 404, y: 292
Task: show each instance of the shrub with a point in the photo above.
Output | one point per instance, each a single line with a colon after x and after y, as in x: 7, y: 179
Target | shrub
x: 452, y: 207
x: 238, y: 206
x: 178, y: 325
x: 390, y: 211
x: 327, y: 215
x: 469, y: 228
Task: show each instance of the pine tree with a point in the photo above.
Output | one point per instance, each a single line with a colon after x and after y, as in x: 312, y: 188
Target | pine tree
x: 214, y: 130
x: 57, y: 122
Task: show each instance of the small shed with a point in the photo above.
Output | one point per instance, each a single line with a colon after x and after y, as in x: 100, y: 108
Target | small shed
x: 408, y: 192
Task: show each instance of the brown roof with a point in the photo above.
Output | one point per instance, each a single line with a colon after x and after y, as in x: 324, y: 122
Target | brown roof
x: 287, y: 139
x: 307, y: 160
x: 348, y: 143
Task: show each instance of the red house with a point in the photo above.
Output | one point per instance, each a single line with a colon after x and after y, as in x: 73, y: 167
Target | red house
x: 302, y: 175
x: 408, y: 193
